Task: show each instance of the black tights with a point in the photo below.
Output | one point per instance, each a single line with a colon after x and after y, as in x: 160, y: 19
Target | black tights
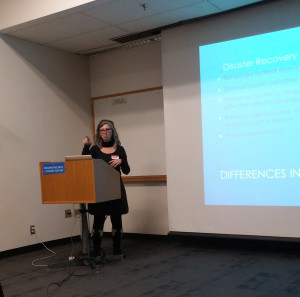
x: 116, y: 221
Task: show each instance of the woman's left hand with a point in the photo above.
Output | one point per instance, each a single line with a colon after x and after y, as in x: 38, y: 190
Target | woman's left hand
x: 115, y: 162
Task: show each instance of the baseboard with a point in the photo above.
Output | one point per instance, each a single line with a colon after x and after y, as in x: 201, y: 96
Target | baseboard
x: 200, y: 239
x: 53, y: 243
x: 38, y: 246
x: 239, y: 241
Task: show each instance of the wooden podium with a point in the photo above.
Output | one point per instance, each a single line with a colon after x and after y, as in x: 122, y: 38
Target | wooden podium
x: 79, y: 181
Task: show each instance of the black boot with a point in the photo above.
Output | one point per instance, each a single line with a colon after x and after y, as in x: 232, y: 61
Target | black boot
x: 116, y: 236
x: 96, y: 241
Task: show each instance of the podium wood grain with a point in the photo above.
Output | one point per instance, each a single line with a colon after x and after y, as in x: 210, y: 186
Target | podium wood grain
x: 76, y: 185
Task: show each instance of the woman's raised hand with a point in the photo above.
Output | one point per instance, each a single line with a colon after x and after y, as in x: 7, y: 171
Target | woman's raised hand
x: 86, y: 141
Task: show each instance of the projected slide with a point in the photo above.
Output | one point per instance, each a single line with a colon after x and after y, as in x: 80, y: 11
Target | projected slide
x: 250, y: 96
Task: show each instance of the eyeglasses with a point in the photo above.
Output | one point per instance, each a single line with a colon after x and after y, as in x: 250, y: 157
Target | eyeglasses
x: 105, y: 130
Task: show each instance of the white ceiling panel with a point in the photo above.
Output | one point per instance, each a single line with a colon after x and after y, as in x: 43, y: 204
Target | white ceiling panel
x: 226, y: 5
x: 161, y: 5
x: 118, y: 12
x: 60, y: 28
x: 97, y: 25
x: 92, y: 40
x: 171, y: 17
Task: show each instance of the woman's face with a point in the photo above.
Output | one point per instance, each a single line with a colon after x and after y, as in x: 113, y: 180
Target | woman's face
x: 105, y: 132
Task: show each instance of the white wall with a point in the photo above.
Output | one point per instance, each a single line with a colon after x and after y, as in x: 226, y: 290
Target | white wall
x: 44, y: 114
x: 125, y: 71
x: 14, y: 12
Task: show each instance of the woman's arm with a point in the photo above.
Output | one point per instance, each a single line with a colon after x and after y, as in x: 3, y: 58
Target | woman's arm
x: 86, y: 146
x: 124, y: 164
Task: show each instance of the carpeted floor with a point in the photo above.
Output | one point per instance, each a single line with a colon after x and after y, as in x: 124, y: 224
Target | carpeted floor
x: 159, y: 266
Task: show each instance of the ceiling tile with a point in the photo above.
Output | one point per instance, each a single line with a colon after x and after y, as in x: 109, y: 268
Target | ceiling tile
x: 170, y: 17
x: 95, y: 39
x: 161, y: 6
x: 60, y: 28
x: 119, y: 12
x: 93, y: 25
x: 226, y: 5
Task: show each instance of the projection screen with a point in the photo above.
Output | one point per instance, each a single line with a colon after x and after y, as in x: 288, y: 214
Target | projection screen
x: 232, y: 115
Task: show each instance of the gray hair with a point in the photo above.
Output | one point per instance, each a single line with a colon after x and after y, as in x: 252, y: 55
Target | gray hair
x: 115, y: 137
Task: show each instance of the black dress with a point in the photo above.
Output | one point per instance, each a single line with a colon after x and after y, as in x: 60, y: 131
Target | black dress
x: 113, y: 207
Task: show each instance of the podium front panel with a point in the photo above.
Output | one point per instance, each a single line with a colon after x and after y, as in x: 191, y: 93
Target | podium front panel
x: 75, y: 185
x: 80, y: 181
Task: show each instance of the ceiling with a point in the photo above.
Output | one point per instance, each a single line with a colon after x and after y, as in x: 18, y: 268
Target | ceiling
x: 107, y: 25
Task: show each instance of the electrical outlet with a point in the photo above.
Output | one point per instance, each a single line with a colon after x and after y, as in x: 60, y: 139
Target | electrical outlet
x: 32, y: 229
x: 68, y: 213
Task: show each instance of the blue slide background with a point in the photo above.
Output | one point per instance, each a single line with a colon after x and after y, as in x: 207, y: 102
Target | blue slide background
x: 250, y: 96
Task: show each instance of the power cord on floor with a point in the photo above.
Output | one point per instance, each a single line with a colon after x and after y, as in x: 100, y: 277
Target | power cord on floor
x: 70, y: 274
x: 72, y: 230
x: 71, y: 257
x: 43, y: 258
x: 59, y: 283
x: 39, y: 239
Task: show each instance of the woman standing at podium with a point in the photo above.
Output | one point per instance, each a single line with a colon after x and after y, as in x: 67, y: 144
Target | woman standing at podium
x: 108, y: 148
